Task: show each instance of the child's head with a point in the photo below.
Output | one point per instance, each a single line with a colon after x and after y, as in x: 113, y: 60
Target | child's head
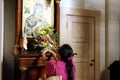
x: 65, y: 52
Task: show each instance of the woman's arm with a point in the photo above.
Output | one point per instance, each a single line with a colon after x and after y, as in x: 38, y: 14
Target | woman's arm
x: 50, y: 67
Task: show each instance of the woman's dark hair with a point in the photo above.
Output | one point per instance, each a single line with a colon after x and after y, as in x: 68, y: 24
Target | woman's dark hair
x: 66, y: 52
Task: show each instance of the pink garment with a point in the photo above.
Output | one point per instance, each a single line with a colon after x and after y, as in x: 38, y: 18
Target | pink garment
x: 59, y: 68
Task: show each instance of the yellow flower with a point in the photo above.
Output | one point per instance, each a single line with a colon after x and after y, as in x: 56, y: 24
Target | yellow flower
x: 42, y: 32
x: 44, y: 43
x: 49, y: 28
x: 47, y: 35
x: 53, y: 42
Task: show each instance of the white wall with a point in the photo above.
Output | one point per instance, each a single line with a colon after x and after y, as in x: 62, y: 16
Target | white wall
x: 1, y: 37
x: 114, y: 30
x: 99, y: 5
x: 73, y: 3
x: 93, y: 5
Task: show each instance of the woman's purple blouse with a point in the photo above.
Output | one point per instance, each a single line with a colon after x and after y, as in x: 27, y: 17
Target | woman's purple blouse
x: 58, y: 68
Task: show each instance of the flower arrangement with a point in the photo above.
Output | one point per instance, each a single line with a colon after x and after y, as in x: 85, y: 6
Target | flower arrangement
x: 44, y: 38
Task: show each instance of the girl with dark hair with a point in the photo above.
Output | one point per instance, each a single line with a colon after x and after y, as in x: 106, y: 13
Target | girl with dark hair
x: 64, y: 66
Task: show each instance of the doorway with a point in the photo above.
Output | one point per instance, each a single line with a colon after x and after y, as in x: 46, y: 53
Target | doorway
x: 81, y: 29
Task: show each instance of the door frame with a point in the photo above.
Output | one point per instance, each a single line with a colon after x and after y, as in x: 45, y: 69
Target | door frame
x: 64, y: 12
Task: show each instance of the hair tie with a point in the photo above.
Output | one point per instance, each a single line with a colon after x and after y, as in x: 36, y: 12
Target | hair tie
x: 70, y: 59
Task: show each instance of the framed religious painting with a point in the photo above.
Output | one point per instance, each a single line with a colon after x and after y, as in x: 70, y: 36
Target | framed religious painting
x: 36, y: 14
x: 32, y: 16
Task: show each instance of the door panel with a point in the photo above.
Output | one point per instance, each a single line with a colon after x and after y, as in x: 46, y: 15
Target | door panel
x: 81, y: 38
x: 81, y: 48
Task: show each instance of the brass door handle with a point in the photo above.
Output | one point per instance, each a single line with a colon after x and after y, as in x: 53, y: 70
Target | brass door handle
x: 91, y: 64
x: 93, y: 60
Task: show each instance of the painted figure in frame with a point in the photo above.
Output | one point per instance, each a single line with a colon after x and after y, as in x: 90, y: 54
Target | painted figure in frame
x: 35, y: 20
x: 36, y: 15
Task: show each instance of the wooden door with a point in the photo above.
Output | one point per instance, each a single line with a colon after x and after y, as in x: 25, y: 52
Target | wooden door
x: 79, y: 31
x: 81, y: 38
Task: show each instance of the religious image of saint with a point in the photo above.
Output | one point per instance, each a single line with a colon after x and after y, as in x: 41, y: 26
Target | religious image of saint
x: 36, y: 15
x: 35, y: 20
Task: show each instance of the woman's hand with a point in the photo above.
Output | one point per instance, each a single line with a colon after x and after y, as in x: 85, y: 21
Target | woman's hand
x: 45, y: 50
x: 48, y: 51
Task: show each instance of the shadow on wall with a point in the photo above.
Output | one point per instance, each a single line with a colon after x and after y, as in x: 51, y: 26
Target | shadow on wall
x: 9, y: 39
x: 8, y: 70
x: 1, y: 70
